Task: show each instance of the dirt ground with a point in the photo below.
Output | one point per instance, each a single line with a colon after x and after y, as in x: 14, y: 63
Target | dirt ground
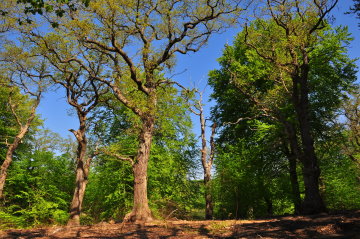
x: 340, y: 225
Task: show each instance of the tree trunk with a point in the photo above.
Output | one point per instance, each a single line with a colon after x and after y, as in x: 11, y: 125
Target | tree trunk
x: 9, y: 157
x: 313, y: 202
x: 293, y: 155
x: 82, y: 172
x: 6, y: 164
x: 209, y: 208
x: 141, y: 211
x: 207, y: 163
x: 17, y: 140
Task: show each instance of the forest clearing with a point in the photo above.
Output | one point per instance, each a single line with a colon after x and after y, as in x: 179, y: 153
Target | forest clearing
x: 340, y: 225
x: 134, y: 148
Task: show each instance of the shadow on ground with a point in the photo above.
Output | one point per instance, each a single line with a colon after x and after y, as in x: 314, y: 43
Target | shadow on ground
x: 341, y: 225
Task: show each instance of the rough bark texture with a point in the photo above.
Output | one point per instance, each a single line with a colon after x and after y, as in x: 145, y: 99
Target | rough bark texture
x: 82, y: 172
x: 206, y: 162
x: 8, y: 159
x: 209, y: 208
x: 313, y: 202
x: 141, y: 211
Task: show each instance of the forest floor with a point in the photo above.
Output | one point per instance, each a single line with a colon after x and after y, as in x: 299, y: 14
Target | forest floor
x: 339, y: 225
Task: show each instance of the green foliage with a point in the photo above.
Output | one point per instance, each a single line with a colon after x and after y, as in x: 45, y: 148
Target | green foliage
x: 171, y: 166
x: 39, y: 189
x: 340, y: 174
x: 109, y: 191
x: 10, y: 94
x: 341, y: 183
x: 251, y: 179
x: 251, y: 164
x: 170, y: 170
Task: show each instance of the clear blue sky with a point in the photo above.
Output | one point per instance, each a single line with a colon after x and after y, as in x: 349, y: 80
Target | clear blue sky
x: 54, y: 108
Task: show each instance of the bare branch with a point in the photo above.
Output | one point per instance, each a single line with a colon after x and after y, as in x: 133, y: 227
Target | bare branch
x: 120, y: 157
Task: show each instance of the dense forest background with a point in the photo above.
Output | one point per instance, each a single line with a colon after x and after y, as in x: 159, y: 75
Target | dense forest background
x: 283, y: 136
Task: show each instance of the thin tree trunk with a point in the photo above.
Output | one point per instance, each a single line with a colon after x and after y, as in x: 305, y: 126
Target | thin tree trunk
x: 293, y: 155
x: 141, y: 211
x: 209, y: 208
x: 293, y: 179
x: 82, y: 172
x: 313, y: 202
x: 207, y: 163
x: 17, y: 140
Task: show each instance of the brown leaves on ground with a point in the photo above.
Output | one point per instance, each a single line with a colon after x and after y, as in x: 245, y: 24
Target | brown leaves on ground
x: 341, y: 225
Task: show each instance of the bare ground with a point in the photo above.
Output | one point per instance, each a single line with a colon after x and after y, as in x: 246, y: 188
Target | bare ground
x: 340, y: 225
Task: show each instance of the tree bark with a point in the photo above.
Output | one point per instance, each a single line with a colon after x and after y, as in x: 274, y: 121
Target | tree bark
x: 293, y: 155
x: 82, y: 173
x: 313, y: 202
x: 207, y: 163
x: 8, y: 158
x: 141, y: 211
x: 209, y: 208
x: 24, y: 128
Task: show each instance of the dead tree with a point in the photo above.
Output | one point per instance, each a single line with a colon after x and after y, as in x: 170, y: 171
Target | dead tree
x: 206, y: 159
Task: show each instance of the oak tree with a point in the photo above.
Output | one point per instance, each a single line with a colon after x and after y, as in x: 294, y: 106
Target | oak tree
x: 139, y: 40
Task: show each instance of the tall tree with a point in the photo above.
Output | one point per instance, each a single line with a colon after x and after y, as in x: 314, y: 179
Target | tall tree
x: 23, y: 109
x: 298, y: 24
x: 170, y: 166
x: 83, y: 96
x: 206, y: 160
x: 140, y: 39
x: 266, y: 88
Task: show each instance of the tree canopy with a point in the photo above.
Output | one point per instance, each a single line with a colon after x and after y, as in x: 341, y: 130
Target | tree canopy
x: 284, y: 137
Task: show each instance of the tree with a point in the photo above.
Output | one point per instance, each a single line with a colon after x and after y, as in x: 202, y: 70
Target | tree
x: 245, y: 91
x: 39, y: 185
x: 83, y: 94
x: 207, y: 161
x: 170, y: 167
x: 19, y: 78
x: 139, y: 39
x: 265, y: 89
x: 298, y: 24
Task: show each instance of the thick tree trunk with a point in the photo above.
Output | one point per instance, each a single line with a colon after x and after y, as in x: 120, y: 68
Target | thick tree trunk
x: 313, y: 202
x: 82, y: 172
x: 78, y: 197
x: 9, y: 156
x: 141, y: 211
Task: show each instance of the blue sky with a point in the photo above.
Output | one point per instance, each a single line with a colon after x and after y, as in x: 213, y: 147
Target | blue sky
x: 54, y: 108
